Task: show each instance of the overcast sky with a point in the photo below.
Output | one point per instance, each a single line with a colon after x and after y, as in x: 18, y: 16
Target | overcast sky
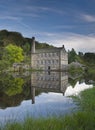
x: 57, y: 22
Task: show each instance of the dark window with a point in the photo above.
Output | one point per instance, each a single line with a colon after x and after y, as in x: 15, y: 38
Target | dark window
x: 48, y: 67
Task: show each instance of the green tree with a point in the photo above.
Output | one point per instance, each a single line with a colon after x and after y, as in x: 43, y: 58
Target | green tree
x: 80, y: 54
x: 13, y: 54
x: 4, y: 65
x: 89, y: 58
x: 72, y: 55
x: 26, y: 48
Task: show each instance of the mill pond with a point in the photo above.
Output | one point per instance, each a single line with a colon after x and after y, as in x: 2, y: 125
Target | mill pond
x: 39, y: 94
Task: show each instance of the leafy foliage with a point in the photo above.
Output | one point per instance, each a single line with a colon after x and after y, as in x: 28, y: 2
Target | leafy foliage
x: 89, y: 58
x: 72, y: 56
x: 13, y: 54
x: 13, y: 37
x: 4, y: 64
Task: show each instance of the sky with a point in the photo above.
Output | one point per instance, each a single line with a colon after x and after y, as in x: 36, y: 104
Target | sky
x: 56, y: 22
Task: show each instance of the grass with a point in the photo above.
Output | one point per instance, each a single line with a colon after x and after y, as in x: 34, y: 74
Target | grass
x: 91, y: 72
x: 84, y: 119
x: 86, y: 100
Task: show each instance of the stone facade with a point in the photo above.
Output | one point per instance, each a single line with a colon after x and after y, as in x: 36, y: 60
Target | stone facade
x: 49, y: 82
x: 48, y: 59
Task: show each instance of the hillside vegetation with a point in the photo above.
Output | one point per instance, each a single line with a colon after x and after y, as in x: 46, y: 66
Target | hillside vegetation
x: 16, y: 38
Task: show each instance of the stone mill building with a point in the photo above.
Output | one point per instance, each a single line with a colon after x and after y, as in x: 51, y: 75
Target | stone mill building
x: 49, y: 58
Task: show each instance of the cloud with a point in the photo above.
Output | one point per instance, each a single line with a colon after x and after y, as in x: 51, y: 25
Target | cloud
x: 70, y: 91
x: 37, y: 9
x: 18, y: 20
x: 78, y: 42
x: 83, y: 43
x: 64, y: 27
x: 6, y: 17
x: 88, y: 18
x: 22, y: 11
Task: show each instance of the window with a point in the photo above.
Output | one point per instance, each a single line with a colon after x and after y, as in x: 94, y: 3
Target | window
x: 41, y: 62
x: 57, y: 54
x: 53, y: 61
x: 49, y: 54
x: 45, y: 61
x: 48, y: 61
x: 45, y: 55
x: 56, y: 61
x: 53, y: 54
x: 41, y: 54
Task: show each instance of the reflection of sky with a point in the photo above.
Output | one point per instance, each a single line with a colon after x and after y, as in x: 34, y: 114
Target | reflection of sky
x: 77, y: 89
x: 47, y: 104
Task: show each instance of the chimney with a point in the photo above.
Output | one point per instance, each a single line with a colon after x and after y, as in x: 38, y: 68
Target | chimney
x: 63, y: 46
x: 33, y: 45
x: 33, y: 94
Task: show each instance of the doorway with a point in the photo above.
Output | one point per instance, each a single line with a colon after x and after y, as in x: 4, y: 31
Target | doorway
x: 48, y: 67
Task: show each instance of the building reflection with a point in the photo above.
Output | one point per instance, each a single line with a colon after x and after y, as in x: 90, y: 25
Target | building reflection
x: 48, y: 81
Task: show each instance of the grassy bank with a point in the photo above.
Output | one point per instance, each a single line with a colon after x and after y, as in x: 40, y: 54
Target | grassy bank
x: 84, y: 119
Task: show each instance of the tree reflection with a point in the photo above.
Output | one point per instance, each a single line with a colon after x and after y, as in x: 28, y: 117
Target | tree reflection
x: 10, y: 85
x: 14, y: 87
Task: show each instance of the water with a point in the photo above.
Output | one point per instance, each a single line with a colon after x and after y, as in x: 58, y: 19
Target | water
x: 39, y: 94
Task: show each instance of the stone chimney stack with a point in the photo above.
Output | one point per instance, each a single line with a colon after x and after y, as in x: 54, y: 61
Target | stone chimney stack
x: 33, y: 94
x: 33, y: 45
x: 63, y: 46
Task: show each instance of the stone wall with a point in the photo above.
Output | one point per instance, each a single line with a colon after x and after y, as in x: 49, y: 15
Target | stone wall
x: 49, y: 59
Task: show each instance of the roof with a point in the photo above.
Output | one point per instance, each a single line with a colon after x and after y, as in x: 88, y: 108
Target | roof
x: 51, y: 50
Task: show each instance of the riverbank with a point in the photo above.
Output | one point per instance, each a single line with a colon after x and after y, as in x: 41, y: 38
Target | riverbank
x: 84, y: 119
